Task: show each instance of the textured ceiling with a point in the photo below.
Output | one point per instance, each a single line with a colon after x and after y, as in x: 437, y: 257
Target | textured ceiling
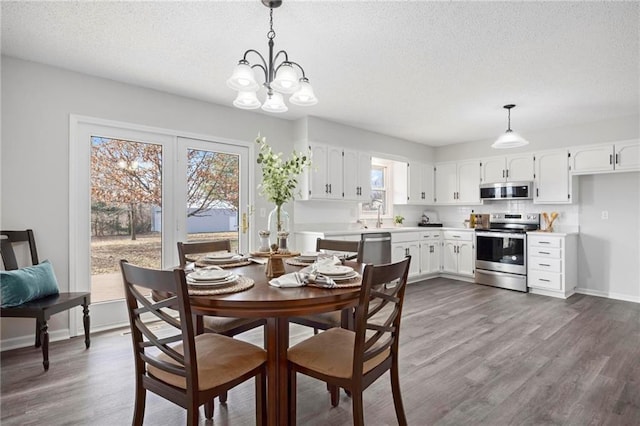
x: 432, y: 72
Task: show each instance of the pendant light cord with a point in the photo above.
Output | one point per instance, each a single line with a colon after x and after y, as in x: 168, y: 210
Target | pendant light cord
x: 271, y: 34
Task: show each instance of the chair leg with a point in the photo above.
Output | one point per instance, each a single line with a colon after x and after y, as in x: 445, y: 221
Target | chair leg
x: 38, y: 342
x: 358, y: 409
x: 292, y: 397
x: 261, y: 402
x: 138, y: 410
x: 193, y: 414
x: 223, y: 398
x: 208, y: 409
x: 335, y: 395
x: 44, y: 339
x: 315, y: 331
x: 397, y: 397
x: 86, y: 320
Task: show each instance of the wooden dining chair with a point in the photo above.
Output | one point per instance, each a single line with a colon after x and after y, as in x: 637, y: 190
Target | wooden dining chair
x: 171, y: 361
x: 212, y: 324
x: 327, y: 320
x: 41, y: 309
x: 353, y: 360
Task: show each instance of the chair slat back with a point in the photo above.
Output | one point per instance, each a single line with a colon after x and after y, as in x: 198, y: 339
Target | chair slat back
x: 6, y: 247
x: 201, y: 247
x: 341, y: 246
x: 377, y: 318
x: 375, y: 248
x: 160, y: 338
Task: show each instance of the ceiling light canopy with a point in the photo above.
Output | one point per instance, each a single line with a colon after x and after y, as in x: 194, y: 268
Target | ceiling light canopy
x: 509, y: 139
x: 279, y: 77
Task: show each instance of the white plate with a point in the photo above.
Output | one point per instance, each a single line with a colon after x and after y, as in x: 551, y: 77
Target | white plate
x: 209, y: 274
x: 305, y: 259
x: 222, y: 261
x: 220, y: 255
x: 313, y: 254
x: 230, y: 279
x: 332, y: 270
x: 351, y: 275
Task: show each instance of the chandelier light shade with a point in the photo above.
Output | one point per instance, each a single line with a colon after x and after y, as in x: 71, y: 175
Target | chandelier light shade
x: 509, y: 139
x: 281, y: 76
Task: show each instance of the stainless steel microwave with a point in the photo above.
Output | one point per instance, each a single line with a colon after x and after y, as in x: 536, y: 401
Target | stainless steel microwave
x: 506, y: 191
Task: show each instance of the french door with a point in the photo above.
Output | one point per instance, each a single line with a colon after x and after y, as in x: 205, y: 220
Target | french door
x: 135, y: 192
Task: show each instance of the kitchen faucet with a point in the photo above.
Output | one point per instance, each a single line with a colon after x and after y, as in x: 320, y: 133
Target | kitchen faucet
x: 378, y: 204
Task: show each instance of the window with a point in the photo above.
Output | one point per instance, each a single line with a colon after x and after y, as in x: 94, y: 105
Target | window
x: 381, y: 192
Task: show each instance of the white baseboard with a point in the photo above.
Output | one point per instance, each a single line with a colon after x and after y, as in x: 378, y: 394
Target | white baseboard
x: 609, y: 295
x: 26, y: 341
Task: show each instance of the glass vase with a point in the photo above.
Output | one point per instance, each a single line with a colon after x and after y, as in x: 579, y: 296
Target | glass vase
x: 278, y: 221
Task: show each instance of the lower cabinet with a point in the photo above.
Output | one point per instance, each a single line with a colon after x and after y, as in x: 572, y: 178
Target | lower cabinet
x: 430, y: 244
x: 400, y: 250
x: 552, y: 264
x: 458, y: 253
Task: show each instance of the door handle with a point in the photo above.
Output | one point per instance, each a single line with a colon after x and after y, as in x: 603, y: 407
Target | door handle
x: 610, y: 158
x: 326, y: 188
x: 617, y: 159
x: 329, y: 188
x: 503, y: 173
x: 507, y: 174
x: 245, y: 223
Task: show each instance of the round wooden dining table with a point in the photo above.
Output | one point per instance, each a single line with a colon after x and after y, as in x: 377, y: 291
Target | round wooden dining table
x: 276, y: 305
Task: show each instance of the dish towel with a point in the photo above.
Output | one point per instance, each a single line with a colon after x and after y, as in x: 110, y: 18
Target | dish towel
x: 301, y: 279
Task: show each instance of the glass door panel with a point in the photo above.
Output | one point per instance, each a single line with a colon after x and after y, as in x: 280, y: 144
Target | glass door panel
x: 126, y: 213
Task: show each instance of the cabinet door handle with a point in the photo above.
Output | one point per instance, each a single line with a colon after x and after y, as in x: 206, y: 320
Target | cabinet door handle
x: 617, y: 159
x: 431, y: 249
x: 326, y: 188
x: 507, y: 174
x: 329, y: 188
x: 502, y: 172
x: 610, y: 158
x: 537, y: 194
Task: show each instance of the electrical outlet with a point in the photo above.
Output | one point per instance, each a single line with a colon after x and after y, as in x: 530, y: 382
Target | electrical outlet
x: 263, y: 212
x: 605, y: 214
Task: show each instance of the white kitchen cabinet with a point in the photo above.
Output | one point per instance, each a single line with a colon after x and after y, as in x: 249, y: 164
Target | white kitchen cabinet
x: 420, y: 182
x: 405, y: 244
x: 325, y: 179
x: 552, y: 264
x: 619, y: 156
x: 430, y: 245
x: 512, y: 168
x: 553, y: 184
x: 458, y: 252
x: 457, y: 183
x: 356, y: 175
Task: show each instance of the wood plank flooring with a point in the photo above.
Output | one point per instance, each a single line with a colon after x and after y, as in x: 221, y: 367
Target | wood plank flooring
x: 470, y: 355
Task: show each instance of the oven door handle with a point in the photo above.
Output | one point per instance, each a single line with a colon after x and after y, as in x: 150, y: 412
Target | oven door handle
x: 500, y: 235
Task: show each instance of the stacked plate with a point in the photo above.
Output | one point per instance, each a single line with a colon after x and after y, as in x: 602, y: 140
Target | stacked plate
x: 337, y: 272
x: 307, y: 257
x: 221, y: 258
x: 211, y: 278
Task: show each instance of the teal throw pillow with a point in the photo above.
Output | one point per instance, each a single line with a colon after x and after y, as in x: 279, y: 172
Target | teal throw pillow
x: 25, y: 284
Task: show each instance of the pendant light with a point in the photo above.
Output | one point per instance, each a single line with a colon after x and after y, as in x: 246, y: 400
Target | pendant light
x: 281, y: 76
x: 509, y: 139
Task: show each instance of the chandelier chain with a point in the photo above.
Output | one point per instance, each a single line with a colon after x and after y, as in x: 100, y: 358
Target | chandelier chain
x: 271, y: 34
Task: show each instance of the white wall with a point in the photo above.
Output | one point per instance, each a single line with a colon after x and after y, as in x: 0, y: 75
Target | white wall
x: 609, y: 250
x: 36, y: 103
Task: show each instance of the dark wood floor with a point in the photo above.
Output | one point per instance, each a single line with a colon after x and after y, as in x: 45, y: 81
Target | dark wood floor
x: 469, y: 355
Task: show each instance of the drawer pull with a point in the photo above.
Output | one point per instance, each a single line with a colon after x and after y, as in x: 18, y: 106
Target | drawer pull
x: 542, y: 279
x: 544, y: 264
x: 544, y: 242
x: 544, y: 252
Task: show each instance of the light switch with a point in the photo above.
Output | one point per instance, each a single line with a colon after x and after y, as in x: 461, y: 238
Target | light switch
x: 605, y: 214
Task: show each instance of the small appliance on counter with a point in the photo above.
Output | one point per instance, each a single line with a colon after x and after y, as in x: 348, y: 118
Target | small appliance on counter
x: 430, y: 219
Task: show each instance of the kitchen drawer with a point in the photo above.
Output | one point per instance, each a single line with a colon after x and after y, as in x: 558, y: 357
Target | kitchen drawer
x: 553, y: 253
x: 458, y: 236
x: 546, y: 280
x: 545, y: 264
x: 430, y: 236
x: 544, y: 241
x: 403, y: 237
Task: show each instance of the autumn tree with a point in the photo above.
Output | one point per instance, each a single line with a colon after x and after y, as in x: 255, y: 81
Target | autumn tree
x: 129, y: 174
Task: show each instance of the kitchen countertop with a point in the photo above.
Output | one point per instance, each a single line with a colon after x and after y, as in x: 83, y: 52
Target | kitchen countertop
x: 551, y: 234
x: 332, y: 230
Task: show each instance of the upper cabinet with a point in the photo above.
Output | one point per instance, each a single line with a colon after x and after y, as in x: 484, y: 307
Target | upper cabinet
x: 553, y: 184
x: 420, y: 183
x: 356, y: 175
x: 512, y: 168
x: 336, y: 174
x: 623, y: 156
x: 457, y: 183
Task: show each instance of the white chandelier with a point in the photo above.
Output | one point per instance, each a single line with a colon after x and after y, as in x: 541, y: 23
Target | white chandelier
x: 509, y: 139
x: 279, y: 78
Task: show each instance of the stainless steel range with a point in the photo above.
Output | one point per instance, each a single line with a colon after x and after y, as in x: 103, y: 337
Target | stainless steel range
x: 501, y: 250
